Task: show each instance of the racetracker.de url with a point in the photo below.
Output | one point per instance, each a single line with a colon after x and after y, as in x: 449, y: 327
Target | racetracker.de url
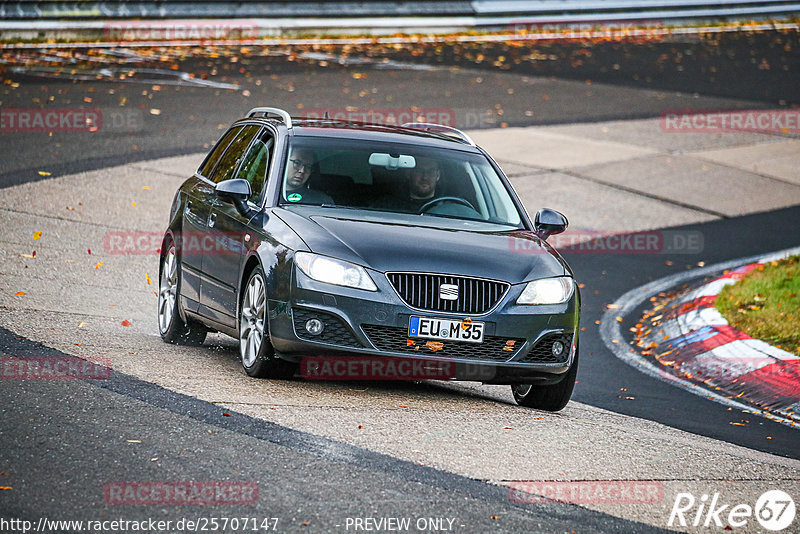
x: 201, y: 524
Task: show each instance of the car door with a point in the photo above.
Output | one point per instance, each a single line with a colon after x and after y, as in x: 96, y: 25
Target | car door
x: 196, y: 209
x: 226, y: 228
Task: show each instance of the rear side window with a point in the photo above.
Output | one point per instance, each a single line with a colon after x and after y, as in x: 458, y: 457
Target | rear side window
x: 219, y: 148
x: 233, y: 155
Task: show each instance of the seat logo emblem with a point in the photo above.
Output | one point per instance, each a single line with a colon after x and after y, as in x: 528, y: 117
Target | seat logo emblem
x: 448, y: 292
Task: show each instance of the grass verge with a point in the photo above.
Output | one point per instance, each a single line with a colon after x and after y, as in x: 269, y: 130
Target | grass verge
x: 765, y: 304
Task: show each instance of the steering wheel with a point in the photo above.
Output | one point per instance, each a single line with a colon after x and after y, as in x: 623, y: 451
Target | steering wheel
x: 435, y: 201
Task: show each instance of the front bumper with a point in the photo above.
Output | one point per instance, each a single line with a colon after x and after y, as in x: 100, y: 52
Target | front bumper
x: 516, y: 346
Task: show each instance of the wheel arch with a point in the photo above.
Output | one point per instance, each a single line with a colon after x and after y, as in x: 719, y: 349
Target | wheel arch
x: 250, y: 265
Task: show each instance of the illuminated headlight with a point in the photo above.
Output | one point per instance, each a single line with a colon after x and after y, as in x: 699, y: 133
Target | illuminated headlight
x: 547, y: 291
x: 333, y: 271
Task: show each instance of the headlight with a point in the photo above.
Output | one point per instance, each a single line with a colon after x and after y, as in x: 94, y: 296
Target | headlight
x: 547, y: 291
x: 333, y: 271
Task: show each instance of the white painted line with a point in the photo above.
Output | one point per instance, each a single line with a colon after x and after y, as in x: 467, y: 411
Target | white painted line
x: 610, y: 329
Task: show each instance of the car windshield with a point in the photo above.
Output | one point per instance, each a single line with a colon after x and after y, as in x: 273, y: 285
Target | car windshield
x: 396, y: 178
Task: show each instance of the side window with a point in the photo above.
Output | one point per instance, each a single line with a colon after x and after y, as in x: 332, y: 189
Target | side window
x: 219, y: 148
x: 256, y: 164
x: 233, y: 155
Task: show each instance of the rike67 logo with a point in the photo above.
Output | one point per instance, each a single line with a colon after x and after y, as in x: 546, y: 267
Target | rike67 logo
x: 774, y: 510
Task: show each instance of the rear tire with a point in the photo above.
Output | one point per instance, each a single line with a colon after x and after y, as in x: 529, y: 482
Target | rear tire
x: 255, y: 350
x: 551, y: 398
x: 171, y: 326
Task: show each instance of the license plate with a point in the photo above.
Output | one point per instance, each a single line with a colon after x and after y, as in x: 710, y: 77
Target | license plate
x: 445, y: 329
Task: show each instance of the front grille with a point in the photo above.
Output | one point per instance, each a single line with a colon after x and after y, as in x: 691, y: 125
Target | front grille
x: 395, y: 339
x: 335, y: 331
x: 421, y: 291
x: 542, y: 352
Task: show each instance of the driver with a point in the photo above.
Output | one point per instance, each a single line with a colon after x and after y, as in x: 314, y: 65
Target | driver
x: 421, y: 187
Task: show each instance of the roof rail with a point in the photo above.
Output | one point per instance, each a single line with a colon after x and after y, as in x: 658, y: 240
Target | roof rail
x: 287, y: 119
x: 432, y: 127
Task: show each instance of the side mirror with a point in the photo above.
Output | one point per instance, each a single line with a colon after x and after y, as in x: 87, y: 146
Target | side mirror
x: 235, y: 191
x: 549, y: 222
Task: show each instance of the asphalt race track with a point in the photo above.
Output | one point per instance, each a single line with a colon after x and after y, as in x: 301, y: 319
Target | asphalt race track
x: 602, y: 375
x: 427, y: 450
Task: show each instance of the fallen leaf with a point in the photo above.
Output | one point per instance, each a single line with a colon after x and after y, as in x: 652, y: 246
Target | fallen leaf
x: 125, y: 323
x: 44, y: 173
x: 146, y: 187
x: 147, y: 276
x: 37, y: 235
x: 360, y: 426
x: 619, y: 319
x: 133, y: 204
x: 98, y: 265
x: 226, y: 414
x: 4, y: 488
x: 89, y: 251
x: 20, y: 293
x: 81, y: 324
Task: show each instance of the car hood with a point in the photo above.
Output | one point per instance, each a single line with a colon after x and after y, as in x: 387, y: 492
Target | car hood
x: 388, y: 243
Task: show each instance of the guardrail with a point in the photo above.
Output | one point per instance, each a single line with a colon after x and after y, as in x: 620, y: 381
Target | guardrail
x: 484, y: 11
x: 103, y: 20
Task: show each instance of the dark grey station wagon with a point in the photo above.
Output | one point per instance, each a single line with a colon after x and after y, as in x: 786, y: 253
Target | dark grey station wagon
x: 326, y: 239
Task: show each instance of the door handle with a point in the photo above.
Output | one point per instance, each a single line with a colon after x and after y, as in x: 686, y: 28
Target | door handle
x: 212, y: 219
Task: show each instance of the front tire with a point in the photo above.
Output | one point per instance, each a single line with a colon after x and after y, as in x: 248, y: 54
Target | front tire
x: 551, y: 398
x: 172, y: 328
x: 255, y: 350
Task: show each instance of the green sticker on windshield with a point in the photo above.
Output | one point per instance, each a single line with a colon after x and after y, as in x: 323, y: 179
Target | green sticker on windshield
x: 294, y: 197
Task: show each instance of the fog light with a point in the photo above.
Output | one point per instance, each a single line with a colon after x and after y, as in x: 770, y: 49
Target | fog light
x: 314, y: 327
x: 558, y: 348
